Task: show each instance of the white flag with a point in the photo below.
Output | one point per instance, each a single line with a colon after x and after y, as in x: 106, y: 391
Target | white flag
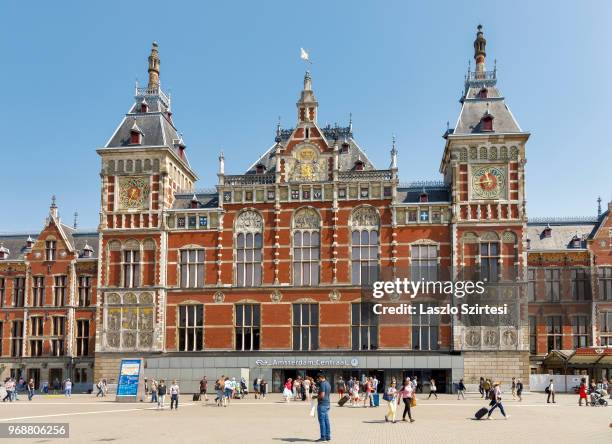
x: 304, y: 55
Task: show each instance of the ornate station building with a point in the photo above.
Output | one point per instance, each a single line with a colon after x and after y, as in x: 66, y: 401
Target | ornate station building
x: 264, y: 275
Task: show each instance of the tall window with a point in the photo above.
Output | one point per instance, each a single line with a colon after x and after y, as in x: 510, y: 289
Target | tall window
x: 2, y: 289
x: 554, y: 332
x: 58, y: 332
x: 248, y: 259
x: 364, y: 257
x: 82, y: 337
x: 580, y: 331
x: 18, y: 292
x: 489, y: 261
x: 533, y: 335
x: 1, y: 336
x: 306, y: 246
x: 191, y: 328
x: 84, y: 291
x: 36, y: 333
x: 59, y: 291
x: 604, y: 275
x: 580, y: 284
x: 50, y: 250
x: 553, y: 284
x: 247, y: 326
x: 192, y: 268
x: 131, y: 268
x: 425, y: 331
x: 38, y: 291
x: 605, y: 327
x: 424, y: 262
x: 305, y: 327
x: 16, y: 338
x: 364, y: 327
x: 531, y: 284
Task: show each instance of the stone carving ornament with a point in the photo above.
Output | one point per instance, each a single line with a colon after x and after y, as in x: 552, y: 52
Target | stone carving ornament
x: 509, y: 338
x: 365, y: 218
x: 490, y: 338
x: 276, y: 296
x: 334, y: 295
x: 472, y: 338
x: 218, y: 297
x: 249, y: 221
x: 306, y: 219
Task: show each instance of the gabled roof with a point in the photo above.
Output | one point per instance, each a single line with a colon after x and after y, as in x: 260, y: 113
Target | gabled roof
x: 77, y: 239
x: 562, y: 232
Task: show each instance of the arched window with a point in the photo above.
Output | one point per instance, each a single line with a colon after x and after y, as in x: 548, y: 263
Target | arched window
x: 131, y: 264
x: 306, y: 247
x: 249, y: 247
x: 364, y: 245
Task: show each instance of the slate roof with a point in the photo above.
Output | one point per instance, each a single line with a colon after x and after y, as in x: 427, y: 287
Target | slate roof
x: 207, y: 199
x: 411, y: 192
x: 562, y: 231
x: 343, y: 135
x: 16, y: 243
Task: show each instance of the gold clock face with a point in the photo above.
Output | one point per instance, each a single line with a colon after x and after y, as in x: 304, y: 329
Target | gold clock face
x: 134, y: 192
x: 488, y: 182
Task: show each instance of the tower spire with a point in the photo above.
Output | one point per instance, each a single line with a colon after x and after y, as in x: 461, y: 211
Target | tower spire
x: 53, y: 207
x: 480, y: 54
x: 307, y: 105
x: 599, y: 206
x: 154, y: 67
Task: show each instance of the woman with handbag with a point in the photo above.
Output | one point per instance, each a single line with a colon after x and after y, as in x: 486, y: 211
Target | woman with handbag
x: 391, y: 398
x: 405, y: 394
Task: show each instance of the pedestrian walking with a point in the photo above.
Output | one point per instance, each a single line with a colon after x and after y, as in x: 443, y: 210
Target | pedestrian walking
x: 204, y: 388
x: 264, y: 388
x: 481, y: 387
x: 367, y: 398
x: 174, y: 395
x: 31, y: 387
x: 68, y: 388
x: 228, y: 390
x: 496, y: 401
x: 341, y: 387
x: 406, y: 394
x: 519, y: 389
x: 513, y: 388
x: 433, y: 390
x: 161, y: 394
x: 256, y: 387
x: 582, y: 393
x: 153, y: 390
x: 391, y: 398
x: 287, y: 390
x: 323, y: 406
x: 550, y: 390
x: 374, y: 390
x: 460, y: 389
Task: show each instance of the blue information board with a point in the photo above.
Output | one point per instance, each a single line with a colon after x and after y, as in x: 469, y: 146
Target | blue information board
x: 129, y: 375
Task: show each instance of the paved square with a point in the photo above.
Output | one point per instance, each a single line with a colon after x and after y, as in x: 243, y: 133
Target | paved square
x: 271, y: 421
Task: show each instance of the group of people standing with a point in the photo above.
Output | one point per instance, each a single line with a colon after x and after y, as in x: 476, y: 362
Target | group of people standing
x: 353, y: 388
x: 158, y: 390
x: 299, y: 389
x: 12, y: 387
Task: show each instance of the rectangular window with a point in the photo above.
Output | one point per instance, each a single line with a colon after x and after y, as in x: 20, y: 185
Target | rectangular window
x: 247, y: 326
x: 489, y: 261
x: 82, y: 337
x: 18, y: 292
x: 580, y: 331
x: 1, y: 336
x: 80, y: 375
x: 533, y: 335
x: 2, y: 289
x: 531, y: 284
x: 305, y: 327
x: 50, y: 250
x: 306, y: 246
x: 38, y: 291
x: 131, y: 268
x: 191, y: 328
x: 364, y: 257
x: 59, y: 291
x: 425, y: 329
x: 553, y: 284
x: 554, y: 332
x: 84, y: 291
x: 248, y: 259
x: 192, y: 268
x: 364, y: 326
x: 604, y: 276
x: 59, y: 330
x: 580, y: 284
x: 605, y: 328
x: 16, y: 338
x: 424, y: 262
x: 36, y: 331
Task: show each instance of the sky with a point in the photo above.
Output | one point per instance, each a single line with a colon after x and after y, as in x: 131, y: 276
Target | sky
x: 68, y: 71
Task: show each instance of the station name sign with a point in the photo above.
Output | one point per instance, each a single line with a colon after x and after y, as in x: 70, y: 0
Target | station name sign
x: 303, y: 363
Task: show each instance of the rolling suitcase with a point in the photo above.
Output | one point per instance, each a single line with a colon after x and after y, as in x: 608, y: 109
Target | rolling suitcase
x: 343, y: 400
x: 480, y: 413
x: 196, y: 396
x: 376, y: 399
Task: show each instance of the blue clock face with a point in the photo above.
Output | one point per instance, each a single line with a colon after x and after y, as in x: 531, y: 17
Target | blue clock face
x: 488, y: 182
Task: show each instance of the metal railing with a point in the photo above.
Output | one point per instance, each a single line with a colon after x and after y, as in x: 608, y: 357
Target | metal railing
x: 359, y: 176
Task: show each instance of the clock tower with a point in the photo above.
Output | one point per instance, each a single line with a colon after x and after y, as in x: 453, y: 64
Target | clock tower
x: 484, y: 166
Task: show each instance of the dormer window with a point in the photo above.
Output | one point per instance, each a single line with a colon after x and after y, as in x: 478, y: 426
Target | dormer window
x: 87, y: 250
x: 483, y: 93
x: 29, y: 243
x: 486, y: 123
x: 576, y: 242
x: 344, y: 148
x: 194, y: 202
x: 144, y: 106
x: 359, y: 165
x: 4, y: 252
x: 424, y: 197
x: 260, y: 168
x: 547, y: 232
x: 135, y: 135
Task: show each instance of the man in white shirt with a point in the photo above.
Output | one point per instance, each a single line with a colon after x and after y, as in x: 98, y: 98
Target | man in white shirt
x: 551, y: 392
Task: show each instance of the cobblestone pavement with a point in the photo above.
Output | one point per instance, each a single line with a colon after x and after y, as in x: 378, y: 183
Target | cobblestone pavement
x: 445, y: 420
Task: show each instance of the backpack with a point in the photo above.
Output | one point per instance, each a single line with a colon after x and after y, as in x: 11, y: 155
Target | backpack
x: 492, y: 394
x: 547, y: 389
